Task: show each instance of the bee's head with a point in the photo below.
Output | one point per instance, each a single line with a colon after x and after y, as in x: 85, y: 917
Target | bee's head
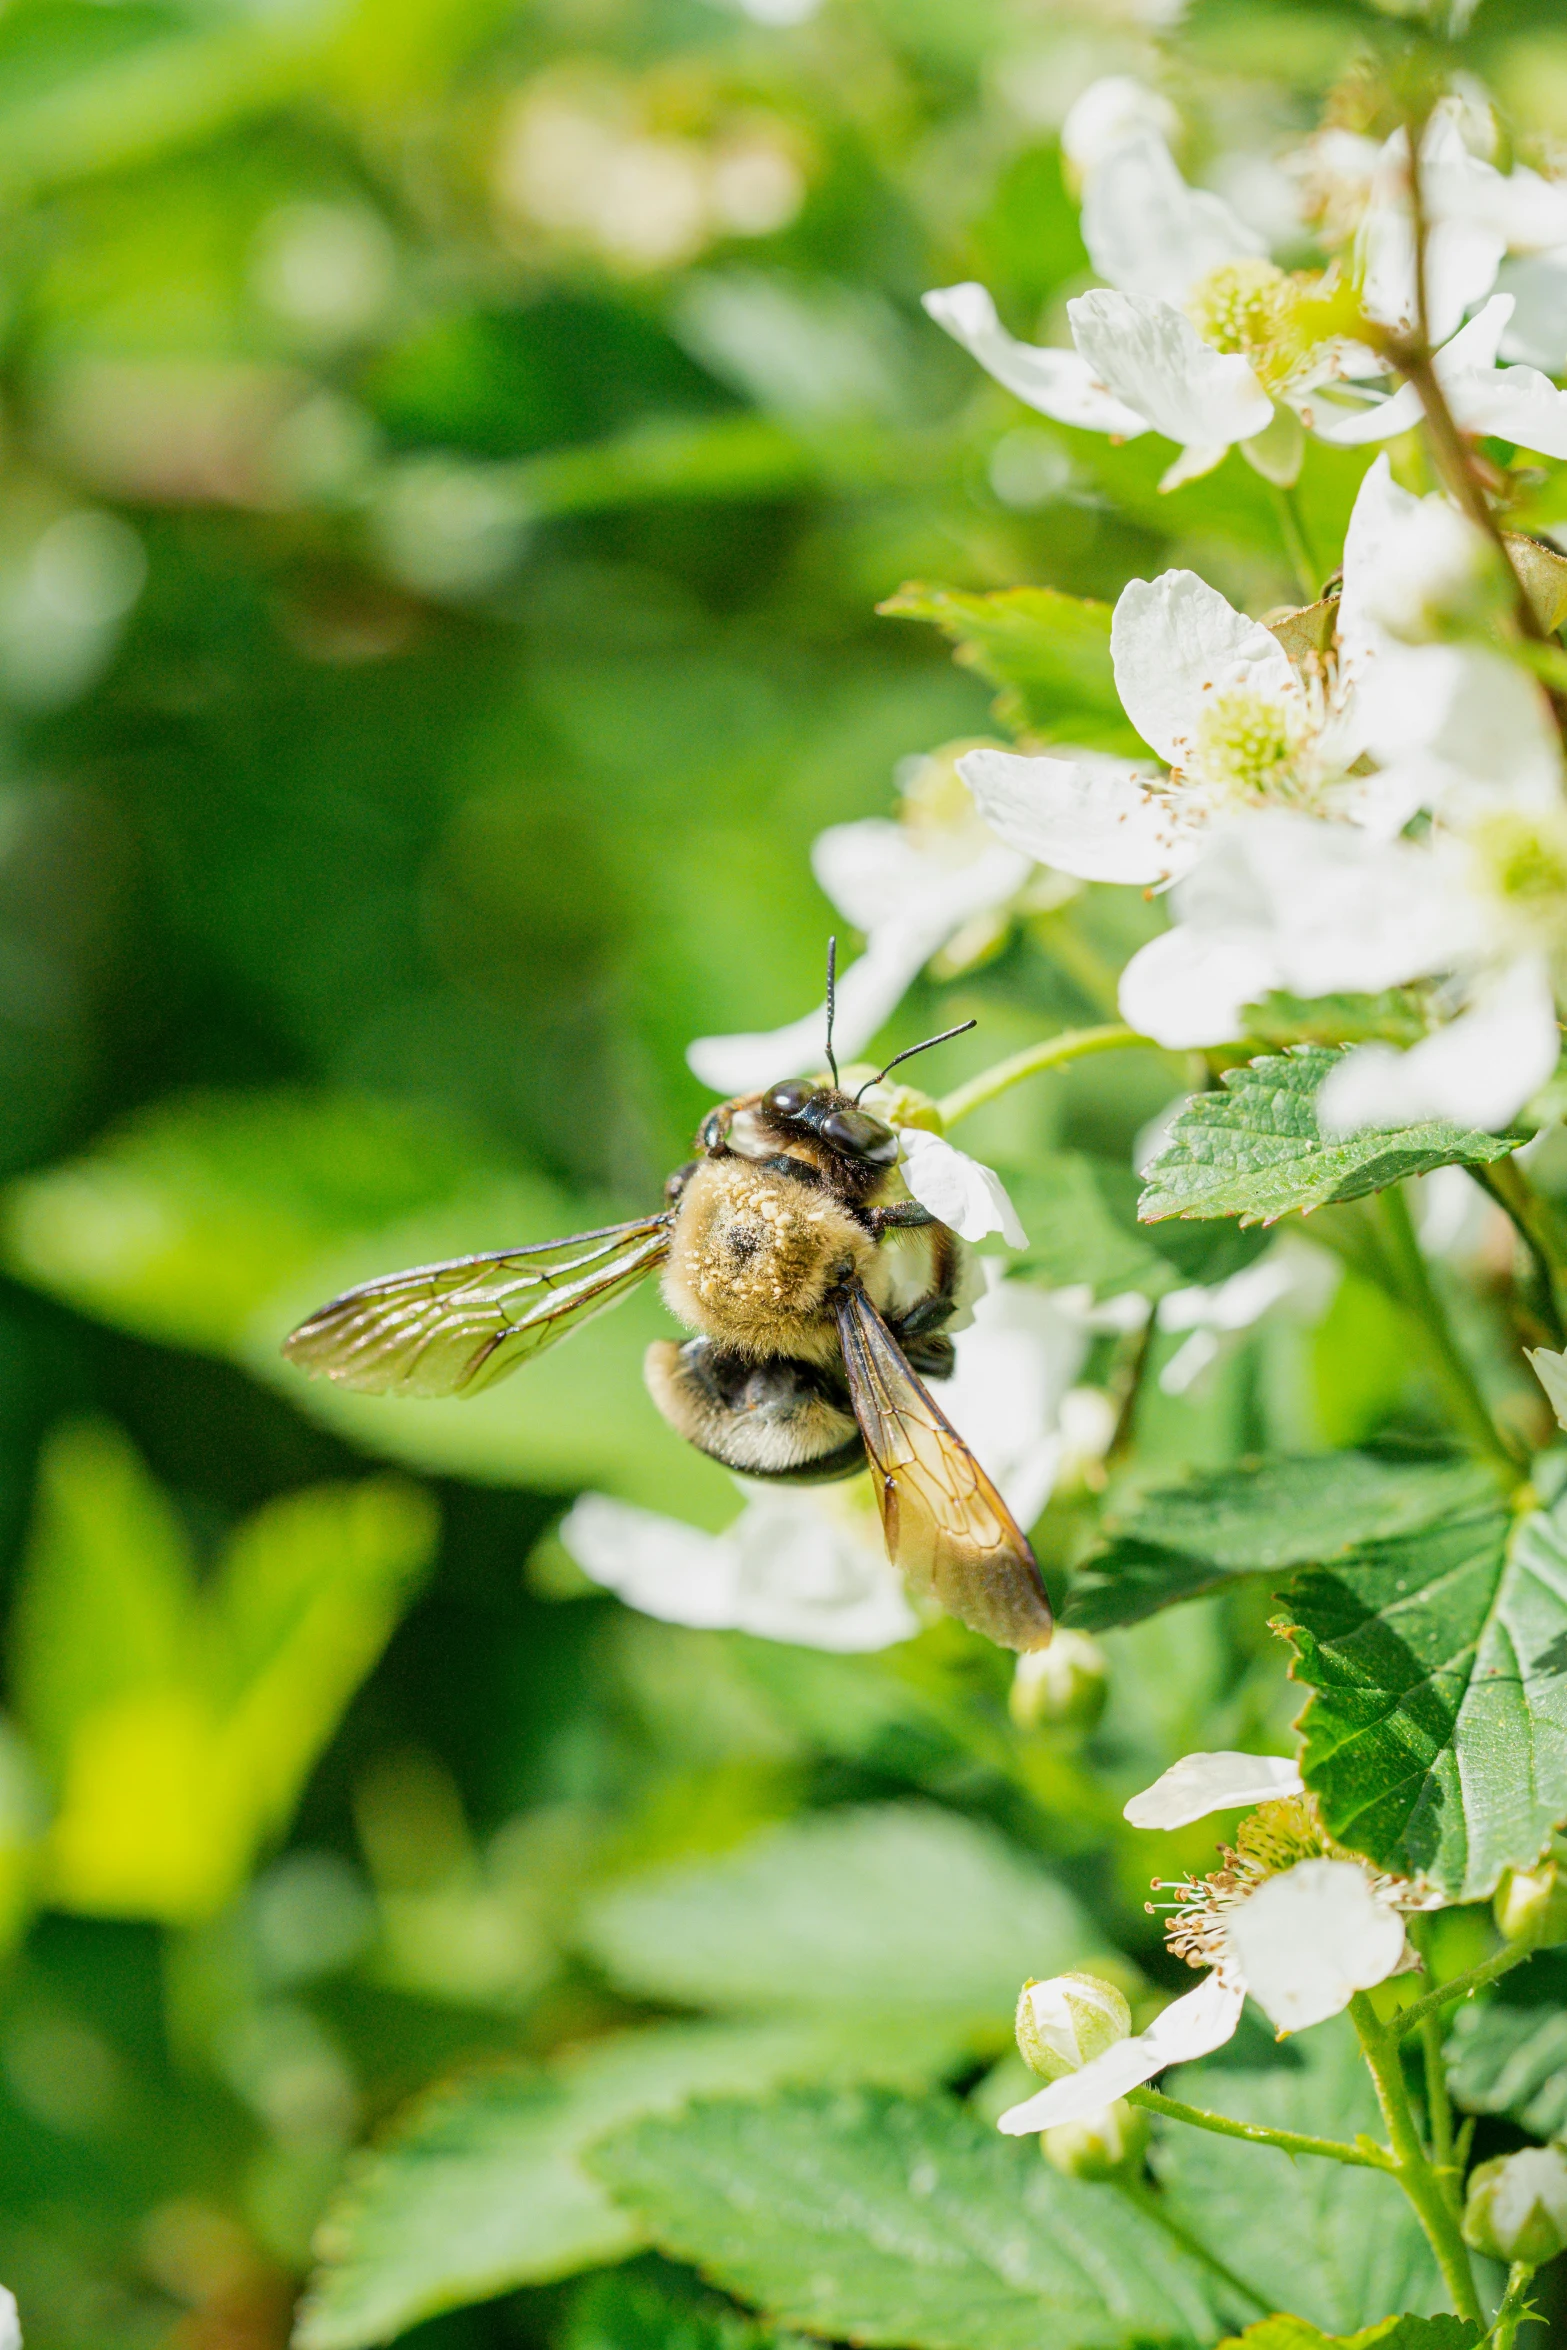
x: 760, y: 1124
x: 833, y: 1118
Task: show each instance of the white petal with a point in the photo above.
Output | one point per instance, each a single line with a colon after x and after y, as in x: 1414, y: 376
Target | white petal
x: 1146, y: 231
x: 1061, y: 384
x: 813, y: 1571
x: 1516, y: 404
x: 10, y: 2323
x: 1331, y: 908
x: 1091, y: 815
x: 1380, y: 511
x: 1353, y: 428
x: 1551, y: 1371
x: 1110, y: 111
x: 1184, y: 989
x: 1190, y: 2027
x: 1460, y: 716
x: 1306, y: 1941
x: 878, y: 872
x: 1202, y: 1783
x: 796, y: 1567
x: 1476, y: 1072
x: 1152, y: 357
x: 657, y: 1564
x: 1015, y: 1363
x: 1537, y: 331
x: 1475, y: 346
x: 958, y: 1191
x: 1195, y: 459
x: 1173, y: 640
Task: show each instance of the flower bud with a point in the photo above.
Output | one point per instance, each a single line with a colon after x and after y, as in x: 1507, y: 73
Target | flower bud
x: 1531, y: 1904
x: 1437, y: 576
x: 1063, y: 1684
x: 1100, y: 2145
x: 1064, y: 2023
x: 1517, y: 2206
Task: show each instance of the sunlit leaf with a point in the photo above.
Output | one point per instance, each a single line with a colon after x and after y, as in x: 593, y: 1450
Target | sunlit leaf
x: 1436, y: 1732
x: 898, y: 1906
x: 1393, y: 2333
x: 179, y: 1720
x: 1049, y: 653
x: 871, y: 2218
x: 1174, y: 1541
x: 1252, y: 1148
x: 1508, y: 2054
x: 482, y: 2187
x: 1337, y: 2245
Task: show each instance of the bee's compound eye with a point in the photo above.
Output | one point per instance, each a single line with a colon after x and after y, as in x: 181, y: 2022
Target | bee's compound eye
x: 712, y: 1130
x: 861, y: 1135
x: 789, y: 1099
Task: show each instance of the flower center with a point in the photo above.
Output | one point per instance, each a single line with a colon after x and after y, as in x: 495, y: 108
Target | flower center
x: 1240, y: 305
x: 1523, y: 860
x: 1248, y: 746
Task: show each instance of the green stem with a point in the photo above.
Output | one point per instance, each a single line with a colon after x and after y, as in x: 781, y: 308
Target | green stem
x: 1532, y: 1219
x: 1364, y: 2156
x: 1426, y: 1309
x: 1514, y: 2308
x: 1410, y: 2167
x: 1054, y: 1053
x: 1143, y: 2199
x: 1412, y: 2018
x: 1296, y: 544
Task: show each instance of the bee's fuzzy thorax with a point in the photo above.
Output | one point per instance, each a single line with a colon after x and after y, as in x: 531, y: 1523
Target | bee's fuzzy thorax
x: 755, y: 1256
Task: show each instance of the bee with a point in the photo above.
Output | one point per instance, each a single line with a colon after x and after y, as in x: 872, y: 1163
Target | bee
x: 816, y: 1292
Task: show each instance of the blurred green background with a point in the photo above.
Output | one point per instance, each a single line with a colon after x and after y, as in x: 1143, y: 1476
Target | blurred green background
x: 451, y: 452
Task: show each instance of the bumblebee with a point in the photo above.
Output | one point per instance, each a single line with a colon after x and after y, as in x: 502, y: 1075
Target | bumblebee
x: 817, y: 1292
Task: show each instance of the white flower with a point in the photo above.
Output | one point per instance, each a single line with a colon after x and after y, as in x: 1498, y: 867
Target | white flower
x: 1287, y: 1919
x: 1108, y: 113
x: 958, y: 1190
x: 801, y: 1564
x: 10, y: 2323
x: 1516, y: 2205
x: 1218, y: 697
x: 1515, y: 403
x: 911, y: 886
x: 1203, y: 1783
x: 1016, y: 1363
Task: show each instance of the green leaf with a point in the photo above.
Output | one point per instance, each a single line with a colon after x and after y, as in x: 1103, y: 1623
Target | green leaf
x: 1338, y: 2246
x: 898, y: 1906
x: 1179, y: 1540
x: 1080, y: 1214
x: 1394, y: 2333
x: 1049, y: 653
x: 482, y: 2188
x: 876, y: 2219
x: 648, y: 2306
x: 219, y: 1221
x: 181, y: 1719
x: 1252, y: 1148
x: 1396, y: 1016
x: 1508, y: 2054
x: 1436, y: 1734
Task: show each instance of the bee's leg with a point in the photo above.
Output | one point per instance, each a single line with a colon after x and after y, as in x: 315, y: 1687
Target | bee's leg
x: 920, y: 1331
x: 903, y: 1212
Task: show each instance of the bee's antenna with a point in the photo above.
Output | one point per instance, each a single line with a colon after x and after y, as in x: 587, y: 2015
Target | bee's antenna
x: 832, y: 992
x: 961, y: 1029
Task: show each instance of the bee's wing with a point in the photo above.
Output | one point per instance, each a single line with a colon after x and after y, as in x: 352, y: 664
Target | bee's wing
x: 453, y: 1329
x: 946, y: 1526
